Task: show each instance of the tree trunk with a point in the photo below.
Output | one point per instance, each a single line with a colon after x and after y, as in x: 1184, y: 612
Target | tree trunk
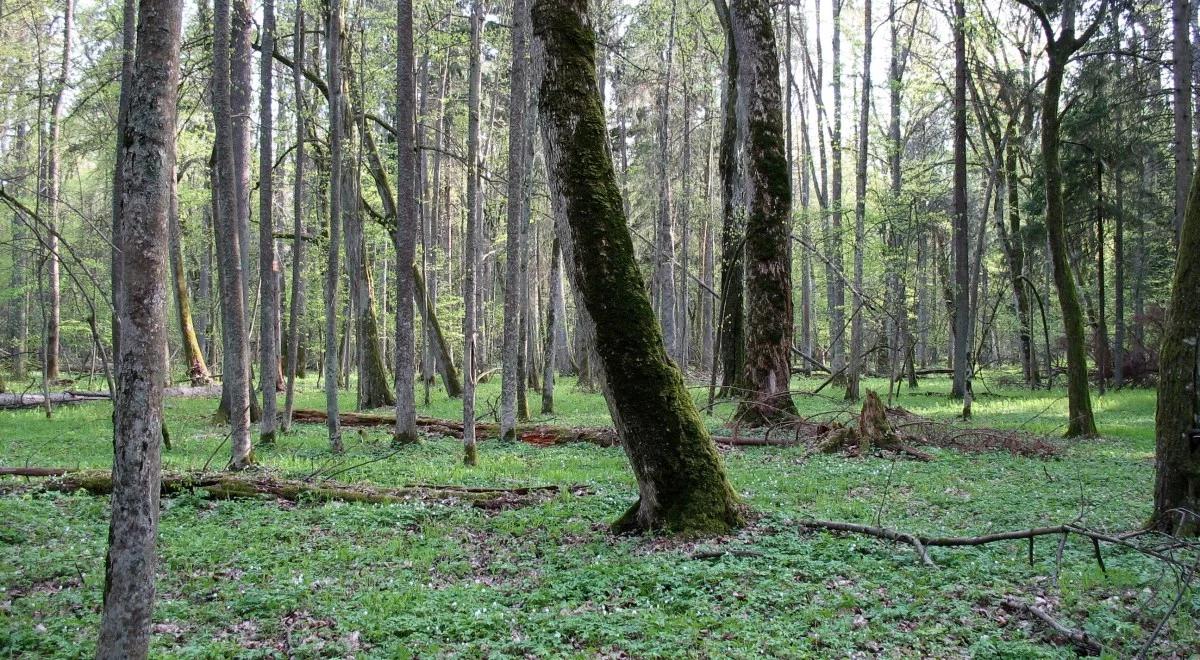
x: 553, y: 323
x: 333, y: 38
x: 1119, y: 281
x: 961, y: 226
x: 148, y: 166
x: 406, y: 224
x: 731, y: 339
x: 513, y: 283
x: 193, y: 357
x: 1181, y: 56
x: 681, y: 480
x: 18, y: 339
x: 235, y: 379
x: 268, y: 268
x: 664, y: 252
x: 470, y: 240
x: 1177, y: 419
x: 768, y: 214
x: 52, y: 193
x: 860, y: 212
x: 837, y: 282
x: 297, y: 303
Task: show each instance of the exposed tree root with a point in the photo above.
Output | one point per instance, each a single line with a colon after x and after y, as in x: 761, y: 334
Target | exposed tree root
x: 1079, y: 638
x: 248, y: 486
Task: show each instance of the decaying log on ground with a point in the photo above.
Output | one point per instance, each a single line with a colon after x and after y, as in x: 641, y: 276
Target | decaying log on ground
x: 227, y: 485
x: 10, y: 401
x: 531, y: 434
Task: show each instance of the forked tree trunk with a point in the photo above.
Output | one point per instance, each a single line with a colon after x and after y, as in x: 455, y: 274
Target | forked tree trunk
x: 1177, y: 419
x: 148, y: 166
x: 768, y: 194
x: 681, y: 480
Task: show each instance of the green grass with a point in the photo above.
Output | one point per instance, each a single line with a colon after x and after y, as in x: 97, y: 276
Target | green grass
x: 261, y: 578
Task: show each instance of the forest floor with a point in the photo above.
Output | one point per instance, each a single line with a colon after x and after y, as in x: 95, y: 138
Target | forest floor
x: 544, y: 577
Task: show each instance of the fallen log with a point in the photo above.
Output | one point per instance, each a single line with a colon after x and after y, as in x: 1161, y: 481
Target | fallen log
x: 10, y: 401
x: 1082, y: 641
x: 247, y: 486
x: 532, y: 434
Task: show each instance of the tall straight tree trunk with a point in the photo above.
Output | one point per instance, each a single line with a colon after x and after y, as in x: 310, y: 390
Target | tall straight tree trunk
x: 837, y: 316
x: 553, y: 322
x: 52, y: 194
x: 193, y: 357
x: 513, y: 283
x: 1177, y: 418
x: 961, y: 227
x: 1181, y: 106
x: 18, y: 317
x: 128, y: 46
x: 769, y: 323
x: 664, y: 262
x: 1013, y: 243
x: 1119, y: 279
x: 685, y: 200
x: 297, y: 302
x: 235, y: 379
x: 1081, y: 422
x: 681, y: 480
x: 406, y: 224
x: 268, y: 268
x: 148, y: 166
x: 333, y: 39
x: 860, y: 212
x: 731, y: 339
x: 470, y: 241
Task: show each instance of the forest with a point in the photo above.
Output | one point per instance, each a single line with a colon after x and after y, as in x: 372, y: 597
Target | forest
x: 599, y: 328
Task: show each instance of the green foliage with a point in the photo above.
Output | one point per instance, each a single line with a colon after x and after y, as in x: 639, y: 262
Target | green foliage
x: 255, y: 579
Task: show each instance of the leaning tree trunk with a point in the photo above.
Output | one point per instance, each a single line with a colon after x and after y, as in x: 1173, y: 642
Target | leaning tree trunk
x: 1177, y: 419
x: 268, y: 268
x: 768, y: 193
x: 1079, y: 402
x: 148, y: 166
x: 681, y: 480
x: 193, y: 357
x: 235, y: 379
x: 406, y: 225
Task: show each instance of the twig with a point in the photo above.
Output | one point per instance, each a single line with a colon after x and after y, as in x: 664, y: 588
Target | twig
x: 1078, y: 637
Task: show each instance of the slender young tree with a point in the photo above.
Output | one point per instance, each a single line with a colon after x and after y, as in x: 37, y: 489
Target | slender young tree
x: 235, y: 379
x: 333, y: 48
x: 961, y: 227
x: 681, y: 481
x: 664, y: 262
x: 268, y: 269
x: 513, y: 284
x: 297, y: 302
x: 149, y: 139
x: 1059, y: 49
x: 860, y: 212
x: 52, y: 192
x: 768, y: 193
x: 128, y: 46
x: 470, y: 241
x: 406, y: 225
x: 1181, y: 104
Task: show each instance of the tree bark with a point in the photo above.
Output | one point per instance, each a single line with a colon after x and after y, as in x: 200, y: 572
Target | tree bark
x: 193, y: 357
x: 961, y: 226
x: 128, y: 45
x: 297, y: 302
x: 470, y: 240
x: 860, y: 212
x: 268, y: 268
x: 513, y: 283
x: 52, y: 194
x: 767, y: 189
x: 333, y: 38
x: 235, y: 378
x: 664, y: 252
x: 837, y: 284
x: 149, y: 139
x: 1177, y: 418
x: 406, y: 224
x: 681, y: 480
x: 1181, y: 106
x: 731, y: 338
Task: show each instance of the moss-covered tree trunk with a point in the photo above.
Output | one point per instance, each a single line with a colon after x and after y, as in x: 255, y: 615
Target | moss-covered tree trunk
x: 193, y: 357
x: 1177, y: 420
x: 681, y: 480
x: 768, y: 194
